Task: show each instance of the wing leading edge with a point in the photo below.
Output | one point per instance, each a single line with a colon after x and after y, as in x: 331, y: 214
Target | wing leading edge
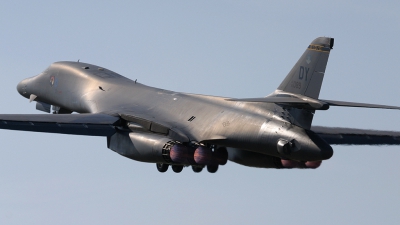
x: 350, y: 136
x: 77, y: 124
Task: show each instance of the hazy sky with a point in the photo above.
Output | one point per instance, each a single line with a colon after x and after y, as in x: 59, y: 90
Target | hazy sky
x: 226, y: 48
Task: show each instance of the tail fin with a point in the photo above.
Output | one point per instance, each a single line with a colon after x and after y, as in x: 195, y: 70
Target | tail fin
x: 306, y: 76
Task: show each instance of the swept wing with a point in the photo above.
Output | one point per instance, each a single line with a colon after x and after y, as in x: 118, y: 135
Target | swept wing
x: 78, y: 124
x: 351, y: 136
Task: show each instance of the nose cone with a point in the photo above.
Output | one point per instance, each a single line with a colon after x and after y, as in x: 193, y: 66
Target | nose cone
x: 22, y: 88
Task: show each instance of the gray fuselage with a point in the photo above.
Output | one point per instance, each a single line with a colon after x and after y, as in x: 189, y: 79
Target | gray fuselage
x: 257, y: 127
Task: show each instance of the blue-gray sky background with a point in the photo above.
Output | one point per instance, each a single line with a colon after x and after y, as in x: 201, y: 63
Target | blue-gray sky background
x: 226, y: 48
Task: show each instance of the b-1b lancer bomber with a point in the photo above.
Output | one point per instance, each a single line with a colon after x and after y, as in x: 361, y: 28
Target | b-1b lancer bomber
x: 176, y: 129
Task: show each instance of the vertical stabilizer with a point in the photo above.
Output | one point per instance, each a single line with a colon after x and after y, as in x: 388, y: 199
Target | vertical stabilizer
x: 306, y: 76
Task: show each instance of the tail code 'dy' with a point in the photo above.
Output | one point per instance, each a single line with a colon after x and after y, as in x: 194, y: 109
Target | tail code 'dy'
x: 306, y: 76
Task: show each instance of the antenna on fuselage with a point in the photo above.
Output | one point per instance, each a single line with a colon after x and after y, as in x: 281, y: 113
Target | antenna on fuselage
x: 135, y: 81
x: 78, y: 60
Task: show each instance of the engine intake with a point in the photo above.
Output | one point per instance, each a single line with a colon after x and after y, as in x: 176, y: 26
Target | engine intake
x: 286, y: 147
x: 253, y: 159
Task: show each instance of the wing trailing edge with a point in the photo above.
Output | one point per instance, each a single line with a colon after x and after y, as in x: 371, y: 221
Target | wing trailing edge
x: 350, y: 136
x: 77, y: 124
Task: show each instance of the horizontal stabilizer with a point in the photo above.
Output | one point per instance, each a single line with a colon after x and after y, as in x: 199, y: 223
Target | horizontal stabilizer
x: 305, y: 102
x: 299, y: 101
x: 269, y: 100
x: 350, y: 136
x: 356, y: 104
x: 77, y: 124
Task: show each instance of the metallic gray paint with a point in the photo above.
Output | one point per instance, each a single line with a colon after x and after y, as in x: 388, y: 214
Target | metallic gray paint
x: 144, y: 119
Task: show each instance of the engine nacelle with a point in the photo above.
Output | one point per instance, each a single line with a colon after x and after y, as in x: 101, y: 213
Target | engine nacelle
x: 153, y: 148
x: 144, y: 147
x: 253, y: 159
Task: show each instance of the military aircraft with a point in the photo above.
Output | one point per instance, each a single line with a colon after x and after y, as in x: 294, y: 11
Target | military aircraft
x: 179, y: 130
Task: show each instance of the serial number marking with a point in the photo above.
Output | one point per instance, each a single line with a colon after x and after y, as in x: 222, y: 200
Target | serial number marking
x: 296, y: 84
